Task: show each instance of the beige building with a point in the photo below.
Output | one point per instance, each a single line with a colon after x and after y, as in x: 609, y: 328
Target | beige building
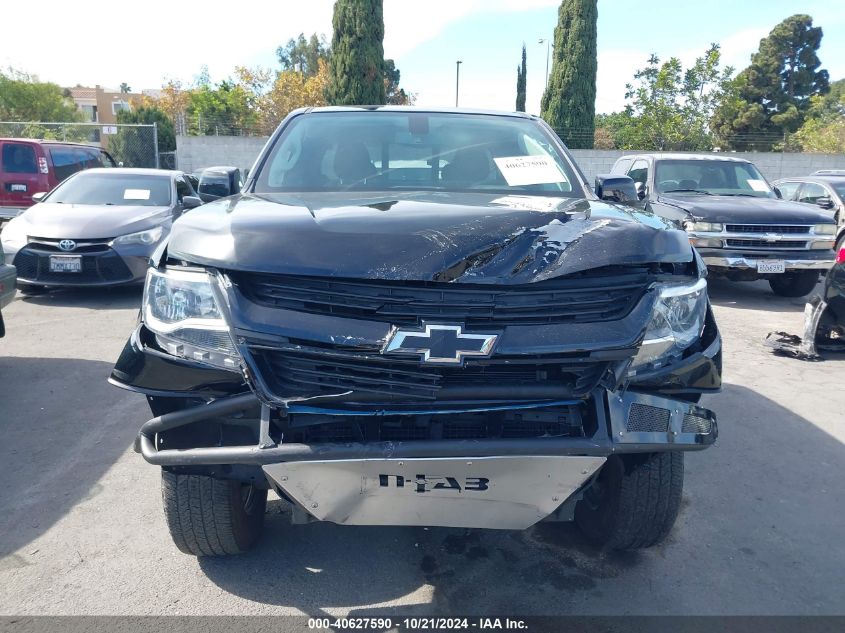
x: 101, y: 105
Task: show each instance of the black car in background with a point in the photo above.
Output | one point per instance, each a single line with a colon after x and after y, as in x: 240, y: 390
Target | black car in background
x: 824, y: 191
x: 417, y: 317
x: 735, y: 219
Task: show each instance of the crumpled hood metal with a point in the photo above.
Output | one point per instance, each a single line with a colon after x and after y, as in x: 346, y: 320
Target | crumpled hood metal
x: 84, y: 221
x: 474, y: 238
x: 743, y: 209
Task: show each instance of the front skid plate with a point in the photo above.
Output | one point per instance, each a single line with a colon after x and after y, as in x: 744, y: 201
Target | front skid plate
x: 478, y: 492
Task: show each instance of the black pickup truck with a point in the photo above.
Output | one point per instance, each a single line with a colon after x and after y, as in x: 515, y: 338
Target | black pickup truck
x: 414, y: 317
x: 735, y: 219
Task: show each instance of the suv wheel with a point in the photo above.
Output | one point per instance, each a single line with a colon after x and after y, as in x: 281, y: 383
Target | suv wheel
x: 794, y: 284
x: 212, y: 517
x: 634, y: 501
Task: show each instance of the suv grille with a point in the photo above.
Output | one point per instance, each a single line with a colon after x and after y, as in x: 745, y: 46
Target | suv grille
x: 786, y: 244
x: 565, y: 421
x: 780, y: 229
x: 317, y: 371
x: 589, y: 298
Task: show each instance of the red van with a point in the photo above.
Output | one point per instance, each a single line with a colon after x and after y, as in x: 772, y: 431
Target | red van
x: 29, y: 166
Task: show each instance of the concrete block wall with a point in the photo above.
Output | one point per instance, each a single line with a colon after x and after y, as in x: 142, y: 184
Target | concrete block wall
x: 195, y: 152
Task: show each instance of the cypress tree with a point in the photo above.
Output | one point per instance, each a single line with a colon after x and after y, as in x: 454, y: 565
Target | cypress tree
x: 356, y: 66
x: 569, y: 103
x: 520, y: 84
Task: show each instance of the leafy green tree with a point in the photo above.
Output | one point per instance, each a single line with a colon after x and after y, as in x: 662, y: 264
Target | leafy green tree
x: 569, y: 103
x: 520, y: 83
x: 303, y: 55
x: 394, y: 95
x: 125, y: 88
x: 771, y: 98
x: 356, y: 65
x: 225, y: 110
x: 669, y: 107
x: 24, y: 98
x: 148, y: 115
x: 824, y: 127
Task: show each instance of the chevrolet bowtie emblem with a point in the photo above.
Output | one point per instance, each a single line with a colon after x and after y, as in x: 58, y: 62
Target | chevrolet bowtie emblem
x: 440, y: 343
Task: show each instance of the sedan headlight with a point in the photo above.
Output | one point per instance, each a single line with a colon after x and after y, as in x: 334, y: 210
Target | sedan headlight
x: 824, y: 229
x: 180, y: 309
x: 148, y: 237
x: 703, y: 227
x: 677, y: 321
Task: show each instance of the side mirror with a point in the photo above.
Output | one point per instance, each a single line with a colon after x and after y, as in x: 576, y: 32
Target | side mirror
x: 824, y: 203
x: 191, y: 202
x: 778, y: 192
x: 641, y: 189
x: 37, y: 197
x: 615, y: 188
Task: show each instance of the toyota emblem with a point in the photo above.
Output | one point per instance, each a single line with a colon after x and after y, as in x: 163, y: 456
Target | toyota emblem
x: 67, y: 245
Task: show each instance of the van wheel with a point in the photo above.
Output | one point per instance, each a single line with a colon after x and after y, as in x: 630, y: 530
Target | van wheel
x: 212, y: 517
x: 634, y: 501
x: 794, y: 284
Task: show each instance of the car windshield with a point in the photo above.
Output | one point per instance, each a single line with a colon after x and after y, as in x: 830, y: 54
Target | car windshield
x: 114, y: 188
x: 391, y: 151
x: 717, y: 177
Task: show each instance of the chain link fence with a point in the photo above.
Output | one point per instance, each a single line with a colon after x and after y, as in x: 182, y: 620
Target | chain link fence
x: 133, y: 145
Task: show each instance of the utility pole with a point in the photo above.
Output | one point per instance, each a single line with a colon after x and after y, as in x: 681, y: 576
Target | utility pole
x: 457, y: 79
x: 548, y: 47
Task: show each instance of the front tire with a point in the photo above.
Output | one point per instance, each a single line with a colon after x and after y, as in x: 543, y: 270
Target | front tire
x: 634, y: 501
x: 212, y: 517
x: 794, y: 284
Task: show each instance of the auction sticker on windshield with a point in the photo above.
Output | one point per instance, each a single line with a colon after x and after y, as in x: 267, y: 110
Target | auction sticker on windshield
x: 529, y: 170
x: 136, y: 194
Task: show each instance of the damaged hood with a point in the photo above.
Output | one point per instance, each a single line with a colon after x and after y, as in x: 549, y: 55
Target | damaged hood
x: 434, y: 236
x: 745, y: 209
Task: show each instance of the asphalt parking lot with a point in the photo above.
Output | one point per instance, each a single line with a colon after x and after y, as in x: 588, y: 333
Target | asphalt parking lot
x: 82, y: 532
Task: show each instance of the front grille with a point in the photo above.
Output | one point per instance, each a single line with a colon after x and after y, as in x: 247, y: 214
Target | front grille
x: 82, y: 246
x: 103, y: 266
x: 589, y: 298
x: 784, y: 244
x: 643, y: 418
x: 314, y: 371
x: 779, y: 229
x: 696, y: 424
x: 568, y: 421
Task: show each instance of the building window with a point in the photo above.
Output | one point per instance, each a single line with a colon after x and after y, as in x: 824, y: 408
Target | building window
x: 90, y: 112
x: 117, y: 106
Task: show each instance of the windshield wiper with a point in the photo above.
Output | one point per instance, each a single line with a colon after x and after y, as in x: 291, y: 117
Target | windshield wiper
x: 746, y: 195
x: 706, y: 193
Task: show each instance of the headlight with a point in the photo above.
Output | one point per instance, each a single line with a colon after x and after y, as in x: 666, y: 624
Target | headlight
x: 703, y: 227
x: 677, y: 321
x: 824, y: 229
x: 150, y: 236
x: 180, y: 308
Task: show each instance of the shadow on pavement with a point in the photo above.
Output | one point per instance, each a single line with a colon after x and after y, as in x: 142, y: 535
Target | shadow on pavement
x: 761, y: 514
x: 57, y: 441
x: 752, y: 295
x: 116, y: 297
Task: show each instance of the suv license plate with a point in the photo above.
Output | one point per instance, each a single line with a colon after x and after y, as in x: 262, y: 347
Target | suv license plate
x: 65, y: 263
x: 771, y: 266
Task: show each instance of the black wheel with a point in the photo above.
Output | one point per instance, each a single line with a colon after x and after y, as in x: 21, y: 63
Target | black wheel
x: 634, y: 501
x: 794, y: 284
x: 212, y: 517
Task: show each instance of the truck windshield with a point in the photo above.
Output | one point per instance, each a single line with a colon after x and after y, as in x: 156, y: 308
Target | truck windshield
x: 113, y: 188
x: 717, y: 177
x: 388, y: 151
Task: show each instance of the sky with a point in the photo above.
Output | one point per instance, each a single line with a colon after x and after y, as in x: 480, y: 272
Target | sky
x: 102, y: 43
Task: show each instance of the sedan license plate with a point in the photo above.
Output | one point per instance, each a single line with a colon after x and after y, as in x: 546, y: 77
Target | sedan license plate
x: 771, y: 266
x: 65, y: 264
